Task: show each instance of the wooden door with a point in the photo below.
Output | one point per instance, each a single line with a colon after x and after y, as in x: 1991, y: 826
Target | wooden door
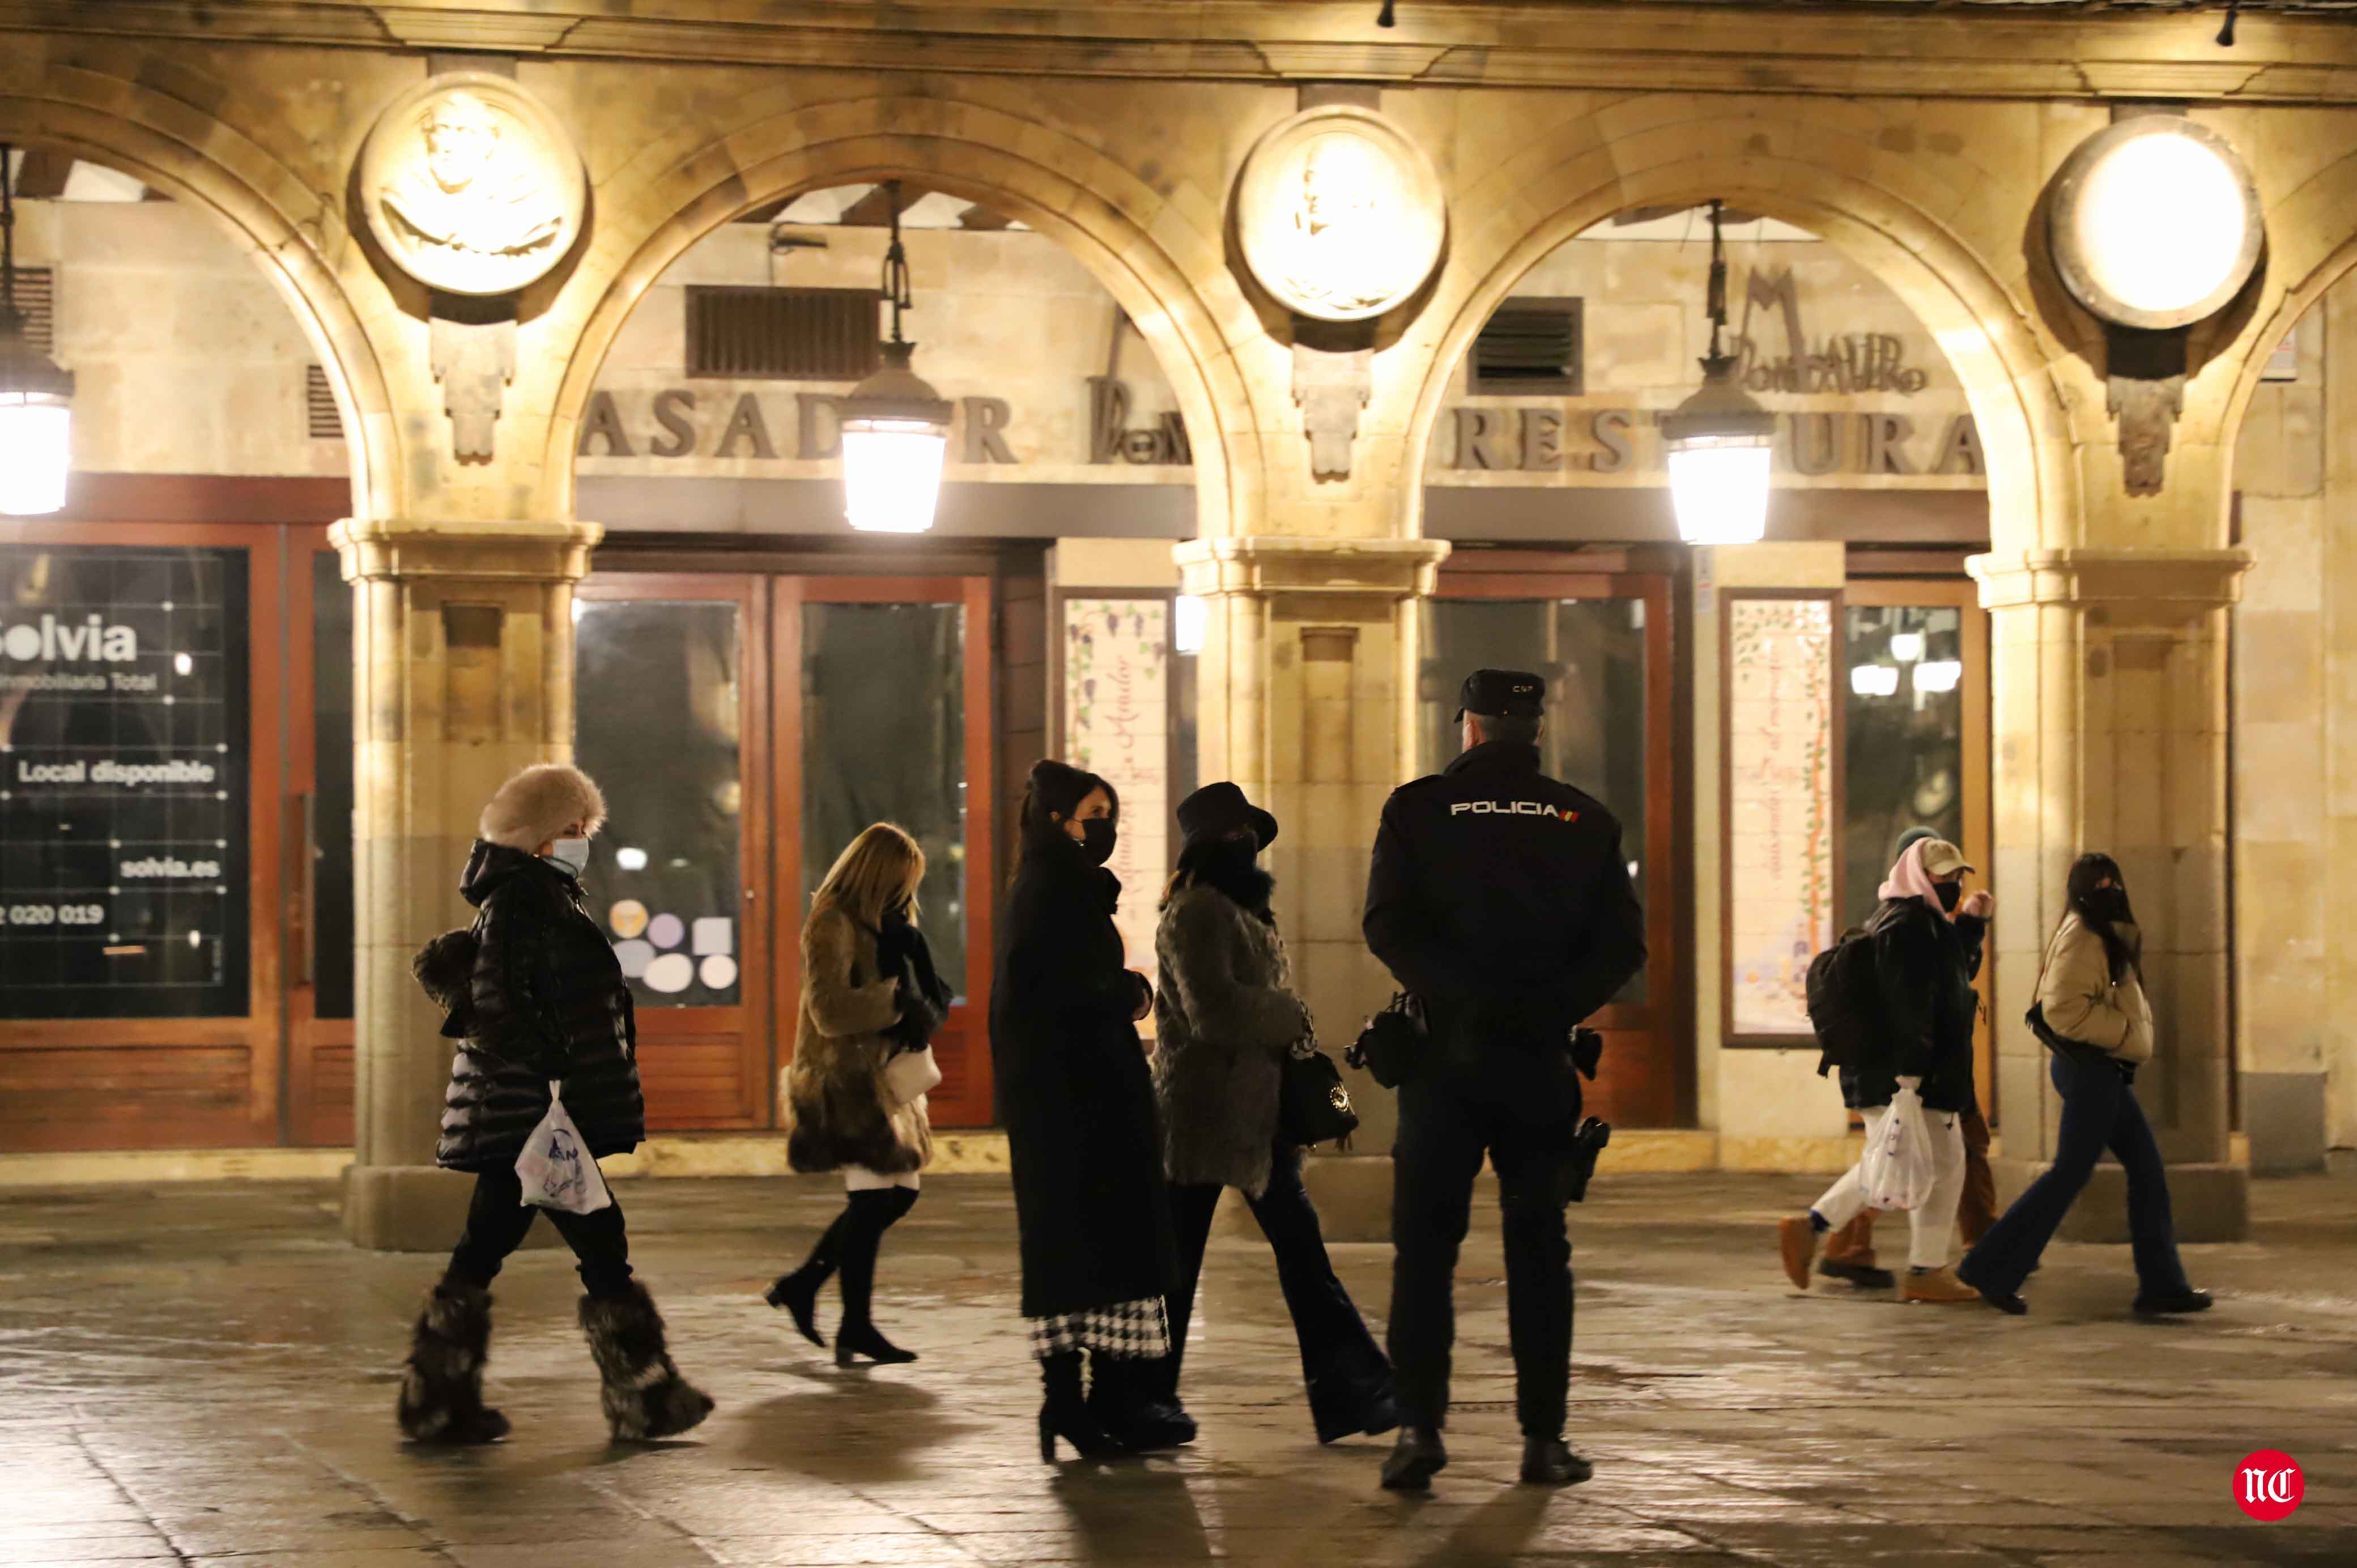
x: 317, y: 890
x: 1603, y: 641
x: 671, y: 718
x: 884, y: 705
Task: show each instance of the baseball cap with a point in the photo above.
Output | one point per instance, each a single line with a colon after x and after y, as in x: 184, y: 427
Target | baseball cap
x: 1502, y: 694
x: 1942, y: 858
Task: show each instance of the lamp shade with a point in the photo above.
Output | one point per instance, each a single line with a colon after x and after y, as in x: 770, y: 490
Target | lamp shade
x: 35, y: 427
x: 1718, y: 444
x: 895, y: 429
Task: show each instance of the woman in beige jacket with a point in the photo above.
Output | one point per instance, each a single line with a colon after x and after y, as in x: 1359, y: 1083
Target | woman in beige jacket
x: 2094, y: 1018
x: 868, y: 994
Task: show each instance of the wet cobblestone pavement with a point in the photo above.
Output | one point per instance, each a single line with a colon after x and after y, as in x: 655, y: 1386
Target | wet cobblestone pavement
x: 206, y: 1375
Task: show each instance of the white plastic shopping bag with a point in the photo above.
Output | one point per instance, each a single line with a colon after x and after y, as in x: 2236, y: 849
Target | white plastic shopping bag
x: 1901, y: 1162
x: 555, y: 1169
x: 911, y: 1073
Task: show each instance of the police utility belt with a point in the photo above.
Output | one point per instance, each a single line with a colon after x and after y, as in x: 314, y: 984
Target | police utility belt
x: 1396, y: 1041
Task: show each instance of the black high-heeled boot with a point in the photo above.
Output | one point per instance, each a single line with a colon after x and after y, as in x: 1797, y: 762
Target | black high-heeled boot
x: 797, y: 1293
x: 871, y: 1214
x: 1064, y: 1412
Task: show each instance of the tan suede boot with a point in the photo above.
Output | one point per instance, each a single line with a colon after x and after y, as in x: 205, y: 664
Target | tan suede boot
x: 1939, y: 1285
x: 1849, y: 1255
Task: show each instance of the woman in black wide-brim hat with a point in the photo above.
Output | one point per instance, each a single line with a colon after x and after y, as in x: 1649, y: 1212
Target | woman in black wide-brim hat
x: 1226, y: 1019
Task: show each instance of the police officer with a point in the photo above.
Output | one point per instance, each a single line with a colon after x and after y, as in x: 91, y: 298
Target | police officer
x: 1499, y: 898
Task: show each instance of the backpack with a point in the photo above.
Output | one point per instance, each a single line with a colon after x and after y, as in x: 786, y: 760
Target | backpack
x: 1845, y: 1005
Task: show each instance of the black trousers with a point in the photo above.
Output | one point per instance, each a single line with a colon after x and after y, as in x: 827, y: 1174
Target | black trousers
x: 1444, y: 1133
x: 497, y: 1221
x: 1340, y: 1364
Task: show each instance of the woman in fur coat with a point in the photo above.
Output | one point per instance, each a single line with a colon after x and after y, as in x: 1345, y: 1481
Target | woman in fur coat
x: 532, y: 993
x: 869, y: 995
x: 1226, y: 1019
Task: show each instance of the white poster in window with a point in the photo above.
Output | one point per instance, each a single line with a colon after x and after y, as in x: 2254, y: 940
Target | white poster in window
x: 1780, y: 806
x: 1117, y: 725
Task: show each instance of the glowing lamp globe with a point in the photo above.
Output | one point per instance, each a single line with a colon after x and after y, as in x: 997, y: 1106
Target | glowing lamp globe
x: 895, y: 429
x: 1718, y: 443
x: 35, y: 427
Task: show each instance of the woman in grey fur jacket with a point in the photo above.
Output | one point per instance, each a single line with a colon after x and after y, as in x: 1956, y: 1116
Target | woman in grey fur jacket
x: 1227, y: 1017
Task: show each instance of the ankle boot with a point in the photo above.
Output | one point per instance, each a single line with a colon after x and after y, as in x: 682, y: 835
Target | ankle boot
x: 441, y: 1387
x: 1128, y: 1400
x: 643, y: 1394
x: 1415, y: 1460
x: 1064, y: 1414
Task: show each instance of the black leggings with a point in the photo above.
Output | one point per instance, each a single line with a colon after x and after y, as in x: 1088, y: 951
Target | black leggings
x: 850, y: 1245
x: 498, y: 1220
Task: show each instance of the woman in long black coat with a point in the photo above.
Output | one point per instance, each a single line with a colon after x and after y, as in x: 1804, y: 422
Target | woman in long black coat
x: 1077, y: 1099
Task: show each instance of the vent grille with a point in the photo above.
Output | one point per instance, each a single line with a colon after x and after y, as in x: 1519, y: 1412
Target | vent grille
x: 36, y: 297
x: 1531, y: 348
x: 782, y: 334
x: 319, y: 414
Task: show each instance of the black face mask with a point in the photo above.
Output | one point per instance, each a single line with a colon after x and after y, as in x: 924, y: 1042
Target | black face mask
x: 2109, y: 905
x: 1097, y: 845
x: 1232, y: 866
x: 895, y: 913
x: 1950, y: 894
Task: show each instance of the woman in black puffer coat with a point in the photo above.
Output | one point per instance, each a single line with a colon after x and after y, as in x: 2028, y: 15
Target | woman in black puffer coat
x: 534, y: 996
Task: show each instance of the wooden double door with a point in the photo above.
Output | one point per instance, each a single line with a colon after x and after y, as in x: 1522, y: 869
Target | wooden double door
x: 744, y: 727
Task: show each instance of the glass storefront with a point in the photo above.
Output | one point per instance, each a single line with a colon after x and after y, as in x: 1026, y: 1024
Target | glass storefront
x: 1903, y: 739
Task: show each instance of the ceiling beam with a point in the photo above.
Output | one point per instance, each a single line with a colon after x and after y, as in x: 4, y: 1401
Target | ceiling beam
x: 42, y: 174
x: 983, y: 217
x: 873, y: 210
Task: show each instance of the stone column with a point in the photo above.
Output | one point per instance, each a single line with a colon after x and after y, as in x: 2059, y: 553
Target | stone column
x: 2110, y: 720
x: 1307, y: 694
x: 463, y: 649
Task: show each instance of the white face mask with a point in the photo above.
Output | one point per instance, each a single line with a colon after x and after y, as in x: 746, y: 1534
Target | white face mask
x: 573, y: 854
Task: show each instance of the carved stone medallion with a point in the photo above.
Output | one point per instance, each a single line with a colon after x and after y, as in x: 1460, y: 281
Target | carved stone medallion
x: 471, y: 185
x: 1340, y: 216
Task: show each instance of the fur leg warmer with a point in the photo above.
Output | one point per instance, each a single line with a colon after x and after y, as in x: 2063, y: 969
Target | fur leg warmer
x: 644, y: 1395
x: 441, y: 1387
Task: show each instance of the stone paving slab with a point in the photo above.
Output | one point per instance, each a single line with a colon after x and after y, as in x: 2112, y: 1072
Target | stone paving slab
x: 206, y: 1376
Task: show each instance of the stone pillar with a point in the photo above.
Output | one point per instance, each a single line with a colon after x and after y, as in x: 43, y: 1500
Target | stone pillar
x: 1307, y: 694
x: 2110, y: 720
x: 463, y: 649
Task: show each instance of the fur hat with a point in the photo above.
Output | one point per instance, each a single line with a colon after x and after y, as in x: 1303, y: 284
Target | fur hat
x: 540, y: 803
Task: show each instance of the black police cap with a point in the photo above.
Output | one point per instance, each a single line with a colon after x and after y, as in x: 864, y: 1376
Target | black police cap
x: 1504, y: 694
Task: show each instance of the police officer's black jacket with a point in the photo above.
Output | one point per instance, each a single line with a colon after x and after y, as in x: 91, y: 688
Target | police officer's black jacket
x: 1500, y: 897
x: 543, y: 997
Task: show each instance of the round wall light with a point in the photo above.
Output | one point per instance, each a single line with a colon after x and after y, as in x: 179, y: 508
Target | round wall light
x: 2156, y: 222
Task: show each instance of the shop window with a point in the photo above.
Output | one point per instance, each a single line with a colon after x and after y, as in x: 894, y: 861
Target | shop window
x: 320, y: 420
x: 1592, y: 654
x: 782, y: 334
x: 36, y: 297
x: 883, y: 723
x: 124, y: 872
x: 1531, y: 348
x: 658, y: 724
x: 1903, y: 759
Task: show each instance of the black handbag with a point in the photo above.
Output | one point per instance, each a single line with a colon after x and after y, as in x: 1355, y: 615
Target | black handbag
x: 1393, y: 1042
x: 2078, y: 1050
x: 1313, y: 1106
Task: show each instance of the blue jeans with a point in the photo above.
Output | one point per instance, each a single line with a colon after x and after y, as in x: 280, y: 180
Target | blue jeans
x: 2099, y: 1112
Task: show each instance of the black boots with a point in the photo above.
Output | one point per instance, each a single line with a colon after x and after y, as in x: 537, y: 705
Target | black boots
x: 1129, y: 1400
x: 442, y: 1388
x: 867, y: 1217
x: 2173, y: 1304
x: 644, y: 1395
x: 1415, y: 1460
x: 1366, y: 1409
x: 1551, y: 1463
x: 1065, y: 1414
x: 798, y: 1293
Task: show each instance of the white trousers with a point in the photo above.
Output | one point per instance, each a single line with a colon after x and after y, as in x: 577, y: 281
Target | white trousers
x: 1929, y: 1224
x: 859, y: 1179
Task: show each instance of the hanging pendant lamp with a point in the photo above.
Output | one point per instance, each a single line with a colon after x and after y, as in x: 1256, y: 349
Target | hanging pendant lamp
x: 1718, y: 440
x: 35, y: 397
x: 896, y: 427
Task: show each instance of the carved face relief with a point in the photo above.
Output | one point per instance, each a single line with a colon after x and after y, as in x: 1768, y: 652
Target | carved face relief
x: 1340, y: 216
x: 471, y: 186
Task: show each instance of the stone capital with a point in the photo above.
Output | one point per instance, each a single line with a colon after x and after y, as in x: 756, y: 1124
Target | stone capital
x: 1256, y: 566
x: 2156, y: 585
x: 384, y: 549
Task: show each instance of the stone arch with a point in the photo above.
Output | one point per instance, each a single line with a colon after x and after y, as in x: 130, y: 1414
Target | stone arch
x: 2312, y: 237
x: 1155, y: 252
x: 193, y: 157
x: 1880, y: 207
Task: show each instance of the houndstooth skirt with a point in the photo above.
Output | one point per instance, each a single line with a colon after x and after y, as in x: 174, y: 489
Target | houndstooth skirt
x: 1132, y: 1330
